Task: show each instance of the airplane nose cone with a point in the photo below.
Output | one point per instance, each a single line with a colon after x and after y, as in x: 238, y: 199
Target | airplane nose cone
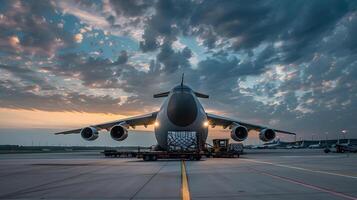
x: 182, y: 109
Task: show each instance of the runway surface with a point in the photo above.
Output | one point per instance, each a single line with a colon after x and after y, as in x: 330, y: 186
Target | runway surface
x: 260, y: 174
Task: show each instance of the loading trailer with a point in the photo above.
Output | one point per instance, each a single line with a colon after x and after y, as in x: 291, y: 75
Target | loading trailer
x: 180, y: 145
x: 119, y: 154
x: 155, y: 155
x: 151, y: 155
x: 221, y: 148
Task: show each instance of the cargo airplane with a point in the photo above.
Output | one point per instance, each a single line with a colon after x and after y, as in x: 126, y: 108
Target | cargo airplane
x: 180, y: 123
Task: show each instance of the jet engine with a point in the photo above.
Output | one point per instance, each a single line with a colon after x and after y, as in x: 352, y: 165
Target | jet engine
x: 89, y: 133
x: 119, y: 133
x: 267, y: 135
x: 239, y: 133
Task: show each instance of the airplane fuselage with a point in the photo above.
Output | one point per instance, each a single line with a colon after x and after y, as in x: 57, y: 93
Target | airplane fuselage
x: 181, y: 113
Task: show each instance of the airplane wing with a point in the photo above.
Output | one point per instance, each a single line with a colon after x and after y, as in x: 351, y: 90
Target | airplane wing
x: 216, y: 120
x: 142, y: 120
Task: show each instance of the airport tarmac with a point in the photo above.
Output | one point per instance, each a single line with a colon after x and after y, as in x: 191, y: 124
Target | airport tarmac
x: 259, y: 174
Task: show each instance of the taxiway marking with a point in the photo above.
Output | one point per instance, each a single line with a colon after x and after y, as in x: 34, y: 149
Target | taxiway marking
x: 185, y: 192
x: 303, y: 169
x: 315, y: 156
x: 329, y: 191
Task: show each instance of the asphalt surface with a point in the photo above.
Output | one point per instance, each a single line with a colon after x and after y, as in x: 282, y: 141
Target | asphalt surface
x: 260, y: 174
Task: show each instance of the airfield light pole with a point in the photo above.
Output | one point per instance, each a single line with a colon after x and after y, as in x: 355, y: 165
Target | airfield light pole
x: 344, y: 132
x: 338, y: 138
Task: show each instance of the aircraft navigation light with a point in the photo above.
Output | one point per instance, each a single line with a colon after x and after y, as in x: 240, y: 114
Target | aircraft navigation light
x: 205, y: 124
x: 156, y: 124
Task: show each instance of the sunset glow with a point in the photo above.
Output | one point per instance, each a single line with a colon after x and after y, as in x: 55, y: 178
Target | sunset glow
x: 11, y: 118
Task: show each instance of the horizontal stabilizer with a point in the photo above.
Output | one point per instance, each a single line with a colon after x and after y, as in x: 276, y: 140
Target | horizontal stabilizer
x: 200, y: 95
x: 164, y: 94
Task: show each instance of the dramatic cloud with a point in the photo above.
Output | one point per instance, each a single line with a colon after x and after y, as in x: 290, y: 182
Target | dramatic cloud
x: 78, y: 37
x: 171, y: 60
x: 93, y: 72
x: 286, y: 64
x: 25, y: 29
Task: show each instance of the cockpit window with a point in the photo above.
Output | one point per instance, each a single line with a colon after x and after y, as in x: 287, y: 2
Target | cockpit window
x: 182, y: 88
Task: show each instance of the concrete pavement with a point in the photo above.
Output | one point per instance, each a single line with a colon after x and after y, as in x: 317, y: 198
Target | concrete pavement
x: 260, y: 174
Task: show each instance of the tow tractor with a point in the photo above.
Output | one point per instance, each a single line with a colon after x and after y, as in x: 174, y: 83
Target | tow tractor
x: 342, y: 148
x: 223, y: 149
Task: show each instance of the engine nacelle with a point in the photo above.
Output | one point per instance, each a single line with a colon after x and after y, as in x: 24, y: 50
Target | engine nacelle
x: 89, y: 133
x: 239, y: 133
x: 267, y: 135
x: 119, y: 133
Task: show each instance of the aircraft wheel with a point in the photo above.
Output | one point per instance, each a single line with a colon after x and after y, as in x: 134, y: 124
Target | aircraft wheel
x: 153, y: 157
x: 146, y: 157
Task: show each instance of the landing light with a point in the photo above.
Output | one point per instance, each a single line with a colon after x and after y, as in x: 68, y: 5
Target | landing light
x: 205, y: 124
x: 156, y: 124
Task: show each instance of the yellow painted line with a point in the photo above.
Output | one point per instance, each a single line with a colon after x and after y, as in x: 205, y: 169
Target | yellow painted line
x: 303, y: 169
x: 185, y: 192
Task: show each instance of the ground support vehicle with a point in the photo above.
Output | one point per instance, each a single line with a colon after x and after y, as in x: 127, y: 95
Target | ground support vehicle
x: 223, y: 149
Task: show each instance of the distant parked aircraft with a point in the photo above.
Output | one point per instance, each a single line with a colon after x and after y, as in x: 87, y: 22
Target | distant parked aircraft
x: 273, y: 145
x: 316, y: 146
x: 298, y: 146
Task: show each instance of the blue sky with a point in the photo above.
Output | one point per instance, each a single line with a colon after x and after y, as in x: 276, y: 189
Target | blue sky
x: 287, y: 65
